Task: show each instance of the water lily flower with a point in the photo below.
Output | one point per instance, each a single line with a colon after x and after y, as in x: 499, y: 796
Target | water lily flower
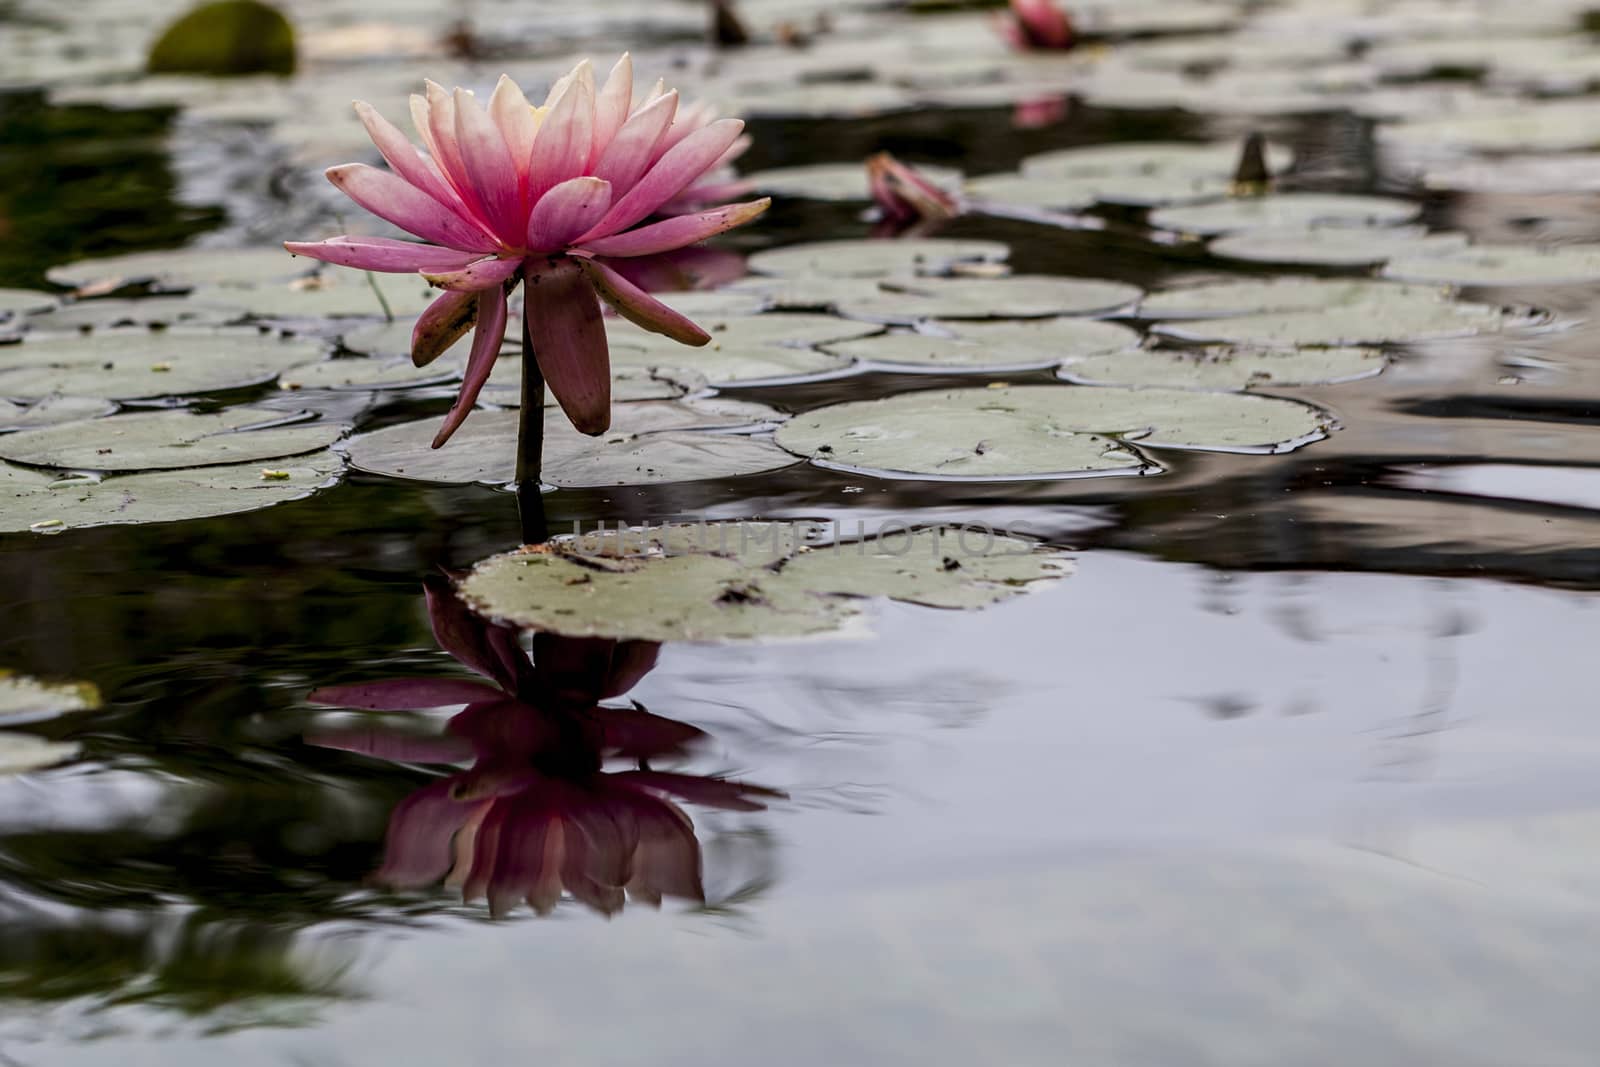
x: 905, y: 195
x: 1037, y: 24
x: 551, y: 196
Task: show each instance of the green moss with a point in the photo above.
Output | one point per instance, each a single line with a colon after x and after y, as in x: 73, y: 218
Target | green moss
x: 226, y: 37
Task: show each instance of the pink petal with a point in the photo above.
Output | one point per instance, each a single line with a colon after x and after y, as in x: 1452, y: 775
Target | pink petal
x: 712, y: 792
x: 489, y: 168
x: 469, y: 638
x: 422, y: 120
x: 397, y: 746
x: 416, y: 851
x: 391, y: 197
x: 485, y: 349
x: 692, y: 119
x: 669, y: 177
x: 677, y: 232
x: 442, y: 325
x: 561, y: 150
x: 640, y: 308
x: 628, y: 155
x: 569, y: 340
x: 383, y: 254
x: 566, y: 211
x: 402, y: 156
x: 611, y: 106
x: 404, y: 694
x: 514, y: 115
x: 482, y: 274
x: 447, y: 151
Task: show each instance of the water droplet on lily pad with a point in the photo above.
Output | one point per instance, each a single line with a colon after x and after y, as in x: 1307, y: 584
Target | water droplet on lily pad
x: 1335, y: 246
x: 1279, y: 211
x: 1226, y: 368
x: 1018, y: 296
x: 875, y: 259
x: 992, y: 346
x: 170, y: 439
x: 127, y: 366
x: 1503, y: 265
x: 185, y: 268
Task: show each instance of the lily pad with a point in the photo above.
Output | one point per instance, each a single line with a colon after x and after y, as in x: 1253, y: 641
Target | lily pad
x: 52, y: 410
x: 696, y: 592
x: 20, y: 753
x: 1260, y: 296
x: 127, y: 366
x: 1577, y: 172
x: 171, y: 439
x: 1362, y: 323
x: 35, y: 500
x: 1335, y: 246
x: 1519, y: 126
x: 1215, y: 160
x: 1070, y: 193
x: 1503, y: 265
x: 799, y: 292
x: 24, y: 699
x: 833, y: 181
x: 756, y: 348
x: 335, y: 293
x: 185, y: 268
x: 1016, y: 297
x: 1226, y: 368
x: 484, y: 449
x: 368, y: 373
x: 628, y: 383
x: 1281, y: 211
x: 1040, y: 431
x: 155, y: 311
x: 24, y: 302
x: 992, y: 346
x: 876, y: 259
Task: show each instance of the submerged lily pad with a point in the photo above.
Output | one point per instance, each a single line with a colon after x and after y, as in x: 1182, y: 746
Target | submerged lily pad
x: 1226, y: 368
x: 1335, y: 246
x: 20, y: 753
x: 164, y: 440
x: 36, y: 500
x: 644, y: 445
x: 833, y: 181
x: 1015, y: 297
x: 1040, y: 431
x: 991, y: 346
x: 1217, y: 160
x: 876, y: 259
x: 24, y: 699
x: 185, y: 268
x: 51, y: 410
x: 1280, y: 211
x: 154, y: 311
x: 1260, y: 296
x: 127, y: 366
x: 704, y: 588
x: 1503, y: 265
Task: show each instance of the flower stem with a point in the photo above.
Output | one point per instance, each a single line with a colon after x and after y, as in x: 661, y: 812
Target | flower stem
x: 530, y: 442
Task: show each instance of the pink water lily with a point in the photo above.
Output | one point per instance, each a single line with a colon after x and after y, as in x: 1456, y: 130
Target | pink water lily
x: 1037, y: 24
x: 549, y: 195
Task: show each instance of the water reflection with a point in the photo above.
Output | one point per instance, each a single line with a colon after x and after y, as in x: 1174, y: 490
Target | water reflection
x: 538, y: 814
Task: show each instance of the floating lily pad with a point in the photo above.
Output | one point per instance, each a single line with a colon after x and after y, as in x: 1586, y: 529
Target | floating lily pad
x: 1040, y: 431
x: 170, y: 439
x: 1226, y: 368
x: 1280, y: 211
x: 127, y: 366
x: 833, y: 181
x: 24, y: 699
x: 696, y: 592
x: 368, y: 373
x: 644, y: 445
x: 1260, y: 296
x: 876, y: 259
x: 23, y: 302
x: 36, y: 500
x: 993, y: 346
x: 1369, y: 323
x: 1518, y: 126
x: 715, y: 303
x: 1217, y: 160
x: 800, y: 292
x: 1577, y: 172
x: 755, y: 348
x: 628, y: 383
x: 1503, y: 265
x: 334, y: 293
x: 1069, y: 193
x: 155, y: 311
x: 51, y: 410
x: 1015, y: 297
x: 186, y: 268
x: 20, y: 753
x: 1335, y: 246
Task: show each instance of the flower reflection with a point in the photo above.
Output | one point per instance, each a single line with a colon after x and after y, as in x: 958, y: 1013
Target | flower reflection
x: 537, y: 814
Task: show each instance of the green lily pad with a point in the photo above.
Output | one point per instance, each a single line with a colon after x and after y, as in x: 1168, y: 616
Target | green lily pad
x: 833, y: 181
x: 24, y: 699
x: 51, y: 410
x: 1264, y: 295
x: 365, y: 373
x: 1226, y: 368
x: 1281, y: 211
x: 1070, y: 193
x: 756, y: 348
x: 38, y: 501
x: 335, y: 293
x: 170, y: 439
x: 1363, y: 323
x: 226, y: 37
x: 699, y: 304
x: 1040, y: 431
x: 24, y: 302
x: 628, y: 383
x: 730, y: 581
x: 1503, y: 265
x: 1016, y: 297
x: 993, y: 346
x: 128, y: 366
x: 185, y: 268
x: 1335, y: 246
x: 1125, y: 158
x: 800, y: 292
x: 875, y: 259
x: 155, y: 311
x: 484, y: 449
x: 21, y: 753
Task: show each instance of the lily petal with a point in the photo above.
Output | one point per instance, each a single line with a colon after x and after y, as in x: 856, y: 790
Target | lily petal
x: 483, y: 274
x: 442, y: 325
x: 417, y: 851
x: 569, y: 340
x: 561, y: 150
x: 630, y: 151
x: 514, y: 115
x: 566, y: 211
x: 611, y: 106
x: 677, y: 232
x: 391, y: 197
x: 669, y: 177
x: 485, y: 350
x: 396, y: 746
x: 383, y: 254
x: 447, y: 149
x: 640, y: 308
x: 402, y: 156
x: 489, y: 167
x: 405, y: 694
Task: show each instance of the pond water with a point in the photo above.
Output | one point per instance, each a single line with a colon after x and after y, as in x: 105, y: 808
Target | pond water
x: 1298, y: 765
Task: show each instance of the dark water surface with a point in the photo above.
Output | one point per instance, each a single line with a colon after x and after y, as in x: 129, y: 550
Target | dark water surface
x: 1299, y: 768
